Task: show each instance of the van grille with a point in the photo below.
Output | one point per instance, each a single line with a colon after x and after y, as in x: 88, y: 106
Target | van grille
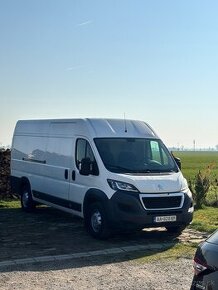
x: 152, y: 202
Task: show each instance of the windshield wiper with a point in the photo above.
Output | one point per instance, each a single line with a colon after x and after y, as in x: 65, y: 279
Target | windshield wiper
x: 161, y: 170
x: 120, y: 168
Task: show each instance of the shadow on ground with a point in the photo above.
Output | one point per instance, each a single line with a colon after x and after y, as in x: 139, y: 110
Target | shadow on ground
x: 48, y: 231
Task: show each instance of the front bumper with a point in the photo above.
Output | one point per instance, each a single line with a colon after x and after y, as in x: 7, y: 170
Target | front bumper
x: 127, y: 211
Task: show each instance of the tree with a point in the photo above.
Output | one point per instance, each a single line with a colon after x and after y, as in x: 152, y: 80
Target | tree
x: 201, y: 185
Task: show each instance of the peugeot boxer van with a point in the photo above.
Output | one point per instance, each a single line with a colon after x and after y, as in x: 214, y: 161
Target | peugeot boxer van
x: 116, y: 174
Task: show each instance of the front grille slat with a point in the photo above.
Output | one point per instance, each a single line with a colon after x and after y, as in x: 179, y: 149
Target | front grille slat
x: 162, y: 201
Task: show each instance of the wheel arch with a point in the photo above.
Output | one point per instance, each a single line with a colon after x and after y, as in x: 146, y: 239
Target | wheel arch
x: 92, y: 196
x: 24, y: 181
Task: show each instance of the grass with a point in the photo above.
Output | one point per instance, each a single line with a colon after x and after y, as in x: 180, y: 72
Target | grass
x: 205, y: 220
x: 193, y: 161
x: 9, y: 203
x: 177, y: 251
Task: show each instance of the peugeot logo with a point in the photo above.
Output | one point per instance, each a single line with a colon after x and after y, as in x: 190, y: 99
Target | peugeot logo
x: 160, y: 187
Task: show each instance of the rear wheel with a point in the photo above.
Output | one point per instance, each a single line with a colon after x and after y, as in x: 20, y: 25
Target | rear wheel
x: 27, y: 203
x: 96, y: 221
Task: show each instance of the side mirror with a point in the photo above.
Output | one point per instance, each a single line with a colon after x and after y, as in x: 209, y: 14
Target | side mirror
x: 178, y: 162
x: 85, y: 167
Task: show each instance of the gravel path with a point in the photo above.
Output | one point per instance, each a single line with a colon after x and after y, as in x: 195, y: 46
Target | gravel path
x: 99, y: 273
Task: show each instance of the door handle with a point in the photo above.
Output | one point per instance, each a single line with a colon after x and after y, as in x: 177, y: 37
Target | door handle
x: 66, y: 173
x: 73, y: 174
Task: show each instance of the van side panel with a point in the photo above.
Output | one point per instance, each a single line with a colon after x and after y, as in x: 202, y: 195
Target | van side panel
x: 57, y: 168
x: 28, y: 159
x: 43, y: 154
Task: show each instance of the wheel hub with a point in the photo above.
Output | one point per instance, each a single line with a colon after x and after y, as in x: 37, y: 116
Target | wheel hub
x: 25, y: 199
x: 96, y: 221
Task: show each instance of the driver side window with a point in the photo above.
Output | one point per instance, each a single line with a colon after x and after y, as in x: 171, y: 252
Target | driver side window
x: 84, y: 150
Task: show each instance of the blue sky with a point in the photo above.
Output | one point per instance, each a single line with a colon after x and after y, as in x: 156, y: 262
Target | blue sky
x: 154, y: 60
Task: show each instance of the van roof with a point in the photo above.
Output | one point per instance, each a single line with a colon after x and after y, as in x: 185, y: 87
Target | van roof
x: 94, y: 127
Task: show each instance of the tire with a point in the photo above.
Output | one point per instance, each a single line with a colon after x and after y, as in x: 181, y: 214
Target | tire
x: 175, y: 230
x: 96, y: 222
x: 27, y: 203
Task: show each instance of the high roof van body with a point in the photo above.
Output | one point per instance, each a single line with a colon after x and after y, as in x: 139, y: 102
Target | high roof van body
x: 116, y: 174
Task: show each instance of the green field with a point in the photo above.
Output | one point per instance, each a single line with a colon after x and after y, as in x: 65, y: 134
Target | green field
x: 193, y: 161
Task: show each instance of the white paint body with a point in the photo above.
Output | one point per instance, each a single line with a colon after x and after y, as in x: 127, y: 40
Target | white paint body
x: 43, y: 150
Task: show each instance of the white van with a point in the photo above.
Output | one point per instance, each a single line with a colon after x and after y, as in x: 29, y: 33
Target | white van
x: 116, y: 174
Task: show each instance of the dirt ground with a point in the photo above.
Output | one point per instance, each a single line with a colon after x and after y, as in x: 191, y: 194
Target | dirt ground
x: 48, y: 231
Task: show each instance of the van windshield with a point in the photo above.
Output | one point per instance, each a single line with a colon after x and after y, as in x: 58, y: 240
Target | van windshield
x: 135, y: 155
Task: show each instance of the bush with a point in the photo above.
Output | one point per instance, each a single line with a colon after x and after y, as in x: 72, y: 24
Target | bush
x: 212, y: 195
x: 201, y: 185
x: 5, y: 186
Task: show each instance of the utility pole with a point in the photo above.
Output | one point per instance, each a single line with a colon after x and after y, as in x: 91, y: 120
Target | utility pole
x: 194, y: 145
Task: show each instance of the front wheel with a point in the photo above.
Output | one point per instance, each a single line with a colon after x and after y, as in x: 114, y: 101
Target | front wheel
x: 96, y: 221
x: 27, y: 203
x: 175, y: 229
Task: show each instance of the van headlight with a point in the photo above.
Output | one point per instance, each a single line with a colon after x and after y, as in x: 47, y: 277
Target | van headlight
x: 187, y: 191
x: 119, y: 185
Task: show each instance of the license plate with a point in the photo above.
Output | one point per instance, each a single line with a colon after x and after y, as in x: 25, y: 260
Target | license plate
x: 162, y: 219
